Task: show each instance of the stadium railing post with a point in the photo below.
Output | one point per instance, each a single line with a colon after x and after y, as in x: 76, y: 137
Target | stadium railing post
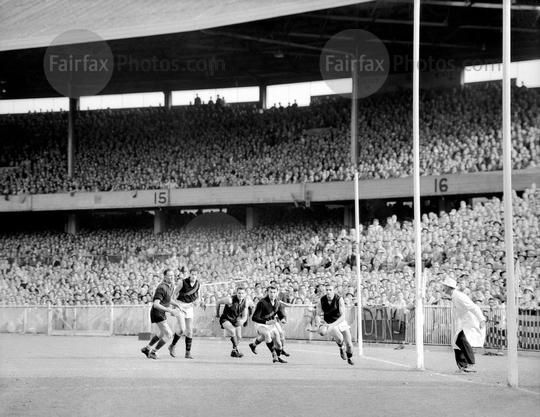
x: 25, y: 320
x: 49, y: 319
x: 111, y: 318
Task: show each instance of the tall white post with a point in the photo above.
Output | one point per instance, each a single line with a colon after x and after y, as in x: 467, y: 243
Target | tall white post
x: 111, y: 318
x: 354, y: 113
x: 358, y: 277
x: 419, y: 307
x: 511, y: 314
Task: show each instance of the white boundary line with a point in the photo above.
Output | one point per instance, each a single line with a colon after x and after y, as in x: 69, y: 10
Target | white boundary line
x: 402, y: 365
x: 457, y: 378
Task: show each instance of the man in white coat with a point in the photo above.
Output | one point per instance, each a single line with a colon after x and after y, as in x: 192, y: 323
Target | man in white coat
x: 470, y: 326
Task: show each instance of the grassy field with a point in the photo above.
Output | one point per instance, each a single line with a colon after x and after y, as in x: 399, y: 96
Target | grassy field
x: 108, y: 376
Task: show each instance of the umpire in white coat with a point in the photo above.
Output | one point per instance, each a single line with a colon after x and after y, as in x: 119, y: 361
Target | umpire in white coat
x: 470, y: 326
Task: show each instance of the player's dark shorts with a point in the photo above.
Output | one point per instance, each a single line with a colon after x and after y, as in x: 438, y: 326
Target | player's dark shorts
x: 157, y: 316
x: 222, y: 320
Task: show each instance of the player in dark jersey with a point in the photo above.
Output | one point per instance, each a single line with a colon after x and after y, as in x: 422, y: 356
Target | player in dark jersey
x: 160, y: 306
x: 267, y: 313
x: 278, y: 328
x: 332, y: 307
x: 232, y: 318
x: 185, y: 296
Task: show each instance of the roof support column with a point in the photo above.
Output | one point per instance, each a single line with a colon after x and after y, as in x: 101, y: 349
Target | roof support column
x: 72, y: 224
x: 252, y: 217
x: 168, y: 99
x: 262, y: 96
x: 73, y: 109
x: 160, y: 221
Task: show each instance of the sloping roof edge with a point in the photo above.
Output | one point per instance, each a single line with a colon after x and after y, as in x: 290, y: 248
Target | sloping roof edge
x: 36, y: 23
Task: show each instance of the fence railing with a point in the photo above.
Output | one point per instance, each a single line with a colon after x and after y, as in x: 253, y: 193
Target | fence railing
x: 379, y: 324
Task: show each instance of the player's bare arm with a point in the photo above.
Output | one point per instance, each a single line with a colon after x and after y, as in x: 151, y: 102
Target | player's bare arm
x: 341, y: 312
x: 318, y: 314
x: 244, y: 317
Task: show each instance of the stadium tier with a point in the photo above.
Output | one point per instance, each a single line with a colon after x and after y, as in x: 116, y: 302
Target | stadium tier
x: 122, y: 266
x: 216, y: 146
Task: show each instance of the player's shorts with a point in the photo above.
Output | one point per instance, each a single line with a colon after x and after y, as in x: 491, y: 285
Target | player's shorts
x: 235, y: 323
x: 186, y: 309
x: 278, y: 327
x: 157, y: 316
x: 263, y: 328
x: 343, y: 326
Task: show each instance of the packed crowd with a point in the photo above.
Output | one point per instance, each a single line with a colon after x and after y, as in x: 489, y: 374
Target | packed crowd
x: 209, y: 145
x: 125, y: 266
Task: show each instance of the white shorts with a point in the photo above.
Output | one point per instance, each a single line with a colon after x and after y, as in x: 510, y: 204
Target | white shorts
x: 343, y: 326
x: 263, y: 328
x: 186, y: 309
x: 279, y: 328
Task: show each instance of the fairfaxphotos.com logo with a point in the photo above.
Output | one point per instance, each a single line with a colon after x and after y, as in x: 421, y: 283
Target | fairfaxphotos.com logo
x: 79, y: 63
x: 85, y: 63
x: 362, y: 63
x: 356, y: 51
x: 208, y: 66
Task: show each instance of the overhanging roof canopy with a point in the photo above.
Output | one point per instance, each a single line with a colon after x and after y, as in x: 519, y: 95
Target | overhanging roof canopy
x: 257, y: 42
x: 35, y: 23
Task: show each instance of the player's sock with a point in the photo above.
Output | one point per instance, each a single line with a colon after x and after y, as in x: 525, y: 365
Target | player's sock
x: 278, y: 351
x: 234, y: 341
x: 160, y: 344
x: 349, y: 356
x: 188, y: 343
x: 175, y: 340
x: 283, y: 351
x: 340, y: 344
x: 153, y: 341
x: 257, y: 342
x: 270, y: 347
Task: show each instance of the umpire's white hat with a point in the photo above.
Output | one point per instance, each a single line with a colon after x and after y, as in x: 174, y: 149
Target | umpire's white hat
x: 449, y: 282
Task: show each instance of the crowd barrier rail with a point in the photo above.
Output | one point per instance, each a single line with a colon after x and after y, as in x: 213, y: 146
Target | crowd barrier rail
x: 379, y: 324
x: 471, y: 183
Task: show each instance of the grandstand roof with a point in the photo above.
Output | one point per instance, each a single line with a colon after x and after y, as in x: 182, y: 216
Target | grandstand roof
x: 258, y: 42
x: 35, y: 23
